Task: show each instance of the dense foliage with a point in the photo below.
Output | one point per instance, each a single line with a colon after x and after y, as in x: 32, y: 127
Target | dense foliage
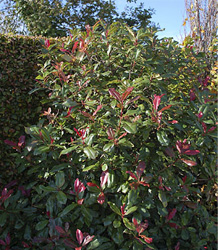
x: 125, y: 157
x: 18, y: 69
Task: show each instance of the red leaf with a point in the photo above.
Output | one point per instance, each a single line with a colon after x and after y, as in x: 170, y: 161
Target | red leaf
x: 190, y: 204
x: 11, y: 184
x: 85, y: 114
x: 79, y: 236
x: 101, y: 198
x: 169, y: 151
x: 78, y: 132
x: 104, y: 178
x: 87, y: 239
x: 115, y: 94
x: 171, y: 214
x: 124, y: 134
x: 134, y: 99
x: 148, y: 240
x: 21, y: 141
x: 211, y: 129
x: 165, y: 108
x: 11, y: 143
x: 80, y: 202
x: 90, y: 184
x: 184, y: 179
x: 110, y: 133
x: 74, y: 46
x: 156, y: 101
x: 122, y: 208
x: 78, y: 186
x: 60, y: 230
x: 47, y: 43
x: 177, y: 247
x: 98, y: 108
x: 192, y: 95
x: 192, y: 152
x: 189, y: 162
x: 140, y: 169
x: 69, y: 243
x: 25, y: 244
x: 2, y: 243
x: 132, y: 175
x: 135, y: 222
x: 173, y: 121
x: 144, y: 184
x: 126, y: 93
x: 174, y: 225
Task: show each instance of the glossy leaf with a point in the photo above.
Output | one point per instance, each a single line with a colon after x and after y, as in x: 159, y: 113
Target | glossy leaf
x: 114, y: 208
x: 90, y: 152
x: 130, y: 128
x: 162, y: 198
x: 189, y: 162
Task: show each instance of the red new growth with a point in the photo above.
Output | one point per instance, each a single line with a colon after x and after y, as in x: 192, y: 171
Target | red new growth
x: 171, y: 214
x: 18, y: 146
x: 183, y: 148
x: 47, y: 43
x: 156, y: 116
x: 139, y: 170
x: 81, y: 133
x: 140, y: 228
x: 122, y: 208
x: 103, y: 180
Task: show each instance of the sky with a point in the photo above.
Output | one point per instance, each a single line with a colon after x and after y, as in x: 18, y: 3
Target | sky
x: 170, y: 14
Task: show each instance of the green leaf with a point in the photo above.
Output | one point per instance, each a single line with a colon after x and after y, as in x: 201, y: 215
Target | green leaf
x: 67, y: 58
x: 108, y: 220
x: 60, y: 179
x: 128, y: 224
x: 111, y: 180
x: 61, y: 197
x: 108, y: 147
x: 90, y: 152
x: 68, y: 150
x: 47, y: 189
x: 114, y: 208
x: 90, y: 167
x: 40, y: 225
x: 163, y: 138
x: 129, y: 127
x: 41, y: 150
x: 87, y: 215
x: 67, y: 209
x: 162, y: 198
x: 131, y: 210
x: 116, y: 223
x: 69, y: 103
x: 98, y: 242
x: 117, y: 236
x: 132, y: 197
x: 3, y: 218
x: 60, y: 167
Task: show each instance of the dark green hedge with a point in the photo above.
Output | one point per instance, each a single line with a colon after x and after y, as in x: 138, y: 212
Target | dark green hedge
x: 19, y: 63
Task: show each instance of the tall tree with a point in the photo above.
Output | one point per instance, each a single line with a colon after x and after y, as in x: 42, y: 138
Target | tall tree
x: 55, y: 17
x: 202, y: 18
x: 10, y: 21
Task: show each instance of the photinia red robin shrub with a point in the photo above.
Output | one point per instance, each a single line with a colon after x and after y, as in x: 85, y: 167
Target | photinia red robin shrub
x: 122, y: 159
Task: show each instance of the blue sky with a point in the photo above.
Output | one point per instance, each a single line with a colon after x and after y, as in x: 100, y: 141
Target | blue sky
x: 170, y: 14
